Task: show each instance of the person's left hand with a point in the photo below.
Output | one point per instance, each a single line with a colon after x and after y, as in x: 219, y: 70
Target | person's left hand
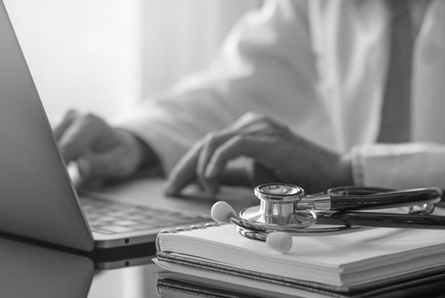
x: 278, y: 155
x: 100, y: 151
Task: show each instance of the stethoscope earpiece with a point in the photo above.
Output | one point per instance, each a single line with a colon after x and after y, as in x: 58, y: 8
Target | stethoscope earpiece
x: 279, y: 241
x: 221, y: 212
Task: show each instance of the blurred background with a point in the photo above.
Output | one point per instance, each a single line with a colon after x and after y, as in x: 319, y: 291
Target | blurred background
x: 101, y: 55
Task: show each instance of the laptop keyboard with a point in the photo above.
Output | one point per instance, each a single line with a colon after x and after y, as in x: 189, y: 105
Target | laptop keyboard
x: 109, y: 218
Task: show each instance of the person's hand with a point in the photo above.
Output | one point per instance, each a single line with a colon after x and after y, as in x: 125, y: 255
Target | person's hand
x: 278, y: 155
x: 100, y: 151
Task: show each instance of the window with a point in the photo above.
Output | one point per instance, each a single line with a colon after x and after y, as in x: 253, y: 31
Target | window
x: 101, y: 56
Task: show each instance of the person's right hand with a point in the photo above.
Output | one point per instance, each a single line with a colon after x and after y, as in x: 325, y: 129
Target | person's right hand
x: 278, y: 155
x: 100, y: 151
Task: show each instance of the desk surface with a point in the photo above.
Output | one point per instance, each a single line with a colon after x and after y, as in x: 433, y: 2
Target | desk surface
x: 33, y: 271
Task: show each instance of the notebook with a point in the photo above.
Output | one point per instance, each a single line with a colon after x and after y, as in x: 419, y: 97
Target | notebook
x: 177, y: 285
x: 38, y: 199
x: 352, y: 262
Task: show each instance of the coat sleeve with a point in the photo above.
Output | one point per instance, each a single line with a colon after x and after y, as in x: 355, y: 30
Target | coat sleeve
x: 408, y: 165
x: 263, y: 64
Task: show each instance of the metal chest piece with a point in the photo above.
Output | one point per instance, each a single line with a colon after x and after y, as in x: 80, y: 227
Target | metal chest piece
x: 278, y: 208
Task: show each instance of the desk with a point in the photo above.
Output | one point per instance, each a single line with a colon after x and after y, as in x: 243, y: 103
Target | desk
x: 29, y: 270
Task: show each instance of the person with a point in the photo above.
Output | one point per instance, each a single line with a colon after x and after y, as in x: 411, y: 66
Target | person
x: 298, y: 87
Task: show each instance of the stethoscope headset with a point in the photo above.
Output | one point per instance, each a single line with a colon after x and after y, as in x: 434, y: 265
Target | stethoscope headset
x: 285, y: 212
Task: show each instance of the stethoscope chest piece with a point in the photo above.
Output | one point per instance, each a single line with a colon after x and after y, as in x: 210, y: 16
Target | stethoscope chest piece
x: 277, y: 209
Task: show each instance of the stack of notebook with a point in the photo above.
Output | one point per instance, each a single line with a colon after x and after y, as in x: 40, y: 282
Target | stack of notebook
x: 368, y: 263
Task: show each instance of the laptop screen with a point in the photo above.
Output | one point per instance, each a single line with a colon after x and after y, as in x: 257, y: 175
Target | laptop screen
x: 37, y: 197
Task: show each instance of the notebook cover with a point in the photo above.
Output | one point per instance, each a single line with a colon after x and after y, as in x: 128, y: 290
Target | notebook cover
x: 430, y: 284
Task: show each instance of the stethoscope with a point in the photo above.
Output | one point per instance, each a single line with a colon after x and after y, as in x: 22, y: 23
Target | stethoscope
x: 285, y: 211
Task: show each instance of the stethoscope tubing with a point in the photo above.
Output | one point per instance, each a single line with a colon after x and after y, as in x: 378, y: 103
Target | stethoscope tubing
x: 358, y: 198
x: 384, y: 220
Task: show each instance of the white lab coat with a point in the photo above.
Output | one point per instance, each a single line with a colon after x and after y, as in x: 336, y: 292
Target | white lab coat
x: 320, y: 67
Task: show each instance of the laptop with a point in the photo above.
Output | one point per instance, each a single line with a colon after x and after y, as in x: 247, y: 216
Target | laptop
x: 38, y: 199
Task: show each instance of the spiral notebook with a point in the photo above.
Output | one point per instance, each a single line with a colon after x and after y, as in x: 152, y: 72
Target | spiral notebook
x: 345, y: 263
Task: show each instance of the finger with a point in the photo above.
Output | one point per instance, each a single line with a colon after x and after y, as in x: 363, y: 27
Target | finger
x: 210, y: 144
x: 62, y: 126
x: 249, y: 146
x: 184, y: 172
